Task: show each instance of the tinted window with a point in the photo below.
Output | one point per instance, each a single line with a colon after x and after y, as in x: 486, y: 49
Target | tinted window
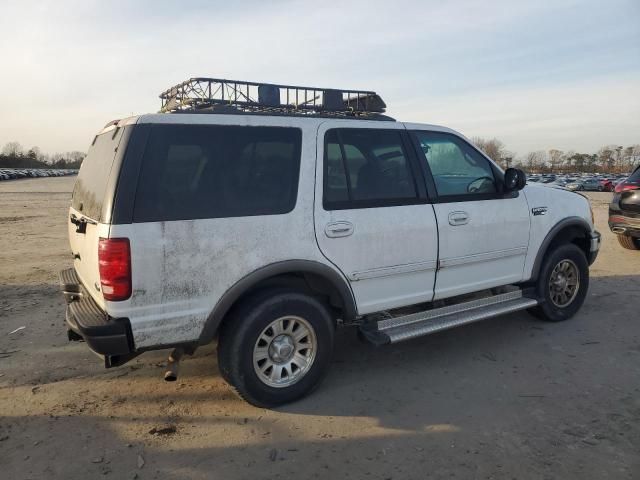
x: 90, y: 187
x: 635, y: 176
x: 456, y: 167
x: 366, y: 167
x: 195, y: 171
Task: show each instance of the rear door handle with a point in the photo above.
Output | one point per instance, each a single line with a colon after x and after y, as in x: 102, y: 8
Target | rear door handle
x: 338, y: 229
x: 458, y: 218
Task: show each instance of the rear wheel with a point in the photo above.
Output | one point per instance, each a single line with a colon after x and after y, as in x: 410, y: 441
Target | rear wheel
x: 276, y: 347
x: 562, y: 284
x: 628, y: 242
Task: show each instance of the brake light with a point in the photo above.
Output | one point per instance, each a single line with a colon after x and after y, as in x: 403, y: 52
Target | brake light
x: 624, y: 187
x: 114, y: 260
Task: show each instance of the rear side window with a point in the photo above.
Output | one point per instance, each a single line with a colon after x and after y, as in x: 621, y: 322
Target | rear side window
x: 203, y: 171
x: 91, y: 185
x: 366, y: 168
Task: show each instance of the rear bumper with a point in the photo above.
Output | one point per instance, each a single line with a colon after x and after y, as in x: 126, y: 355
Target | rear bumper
x: 594, y: 246
x: 105, y: 335
x: 622, y: 224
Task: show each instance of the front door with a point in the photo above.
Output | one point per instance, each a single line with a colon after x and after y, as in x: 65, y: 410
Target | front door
x: 484, y: 233
x: 372, y: 217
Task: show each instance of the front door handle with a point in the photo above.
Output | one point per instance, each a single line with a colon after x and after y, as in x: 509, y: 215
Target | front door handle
x: 458, y: 218
x: 338, y: 229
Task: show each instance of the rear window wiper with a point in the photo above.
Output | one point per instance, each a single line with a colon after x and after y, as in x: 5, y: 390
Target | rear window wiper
x: 81, y: 223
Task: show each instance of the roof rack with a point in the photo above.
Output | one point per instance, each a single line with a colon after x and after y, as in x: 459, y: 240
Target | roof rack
x: 234, y: 96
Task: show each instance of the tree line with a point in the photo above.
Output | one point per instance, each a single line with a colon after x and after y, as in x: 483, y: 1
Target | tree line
x: 608, y: 159
x: 13, y: 155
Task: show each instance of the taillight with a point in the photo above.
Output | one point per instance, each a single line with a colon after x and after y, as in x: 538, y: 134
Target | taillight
x: 114, y: 260
x: 624, y: 187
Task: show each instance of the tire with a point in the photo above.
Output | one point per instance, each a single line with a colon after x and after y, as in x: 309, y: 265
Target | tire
x: 551, y: 307
x: 244, y: 334
x: 628, y: 242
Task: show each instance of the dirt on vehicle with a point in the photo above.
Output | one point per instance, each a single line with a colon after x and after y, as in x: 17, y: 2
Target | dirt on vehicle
x: 510, y: 397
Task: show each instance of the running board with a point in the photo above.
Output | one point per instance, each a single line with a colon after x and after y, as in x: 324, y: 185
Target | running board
x: 397, y: 329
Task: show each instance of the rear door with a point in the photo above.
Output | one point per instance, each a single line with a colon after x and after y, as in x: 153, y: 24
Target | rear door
x: 484, y: 233
x: 87, y: 222
x: 372, y: 217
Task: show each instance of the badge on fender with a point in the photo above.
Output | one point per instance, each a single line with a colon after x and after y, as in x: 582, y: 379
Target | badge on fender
x: 539, y: 210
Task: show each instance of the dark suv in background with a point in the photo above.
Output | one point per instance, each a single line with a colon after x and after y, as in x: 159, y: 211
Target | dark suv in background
x: 624, y: 211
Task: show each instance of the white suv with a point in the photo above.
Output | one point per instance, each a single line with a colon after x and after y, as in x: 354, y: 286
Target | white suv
x: 267, y: 220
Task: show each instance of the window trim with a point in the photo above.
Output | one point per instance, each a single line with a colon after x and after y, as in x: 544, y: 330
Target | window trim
x: 412, y: 163
x: 498, y: 174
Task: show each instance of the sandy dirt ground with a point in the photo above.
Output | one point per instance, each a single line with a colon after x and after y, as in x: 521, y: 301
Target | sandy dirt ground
x: 508, y: 398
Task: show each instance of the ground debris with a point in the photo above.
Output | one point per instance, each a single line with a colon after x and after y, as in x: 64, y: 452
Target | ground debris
x: 168, y: 430
x: 273, y: 454
x: 140, y: 461
x: 17, y: 330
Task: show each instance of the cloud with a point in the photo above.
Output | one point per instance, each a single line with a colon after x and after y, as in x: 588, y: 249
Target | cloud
x: 69, y: 67
x: 577, y: 115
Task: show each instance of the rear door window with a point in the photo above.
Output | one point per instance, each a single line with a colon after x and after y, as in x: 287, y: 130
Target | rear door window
x: 91, y: 185
x: 203, y: 171
x: 367, y: 168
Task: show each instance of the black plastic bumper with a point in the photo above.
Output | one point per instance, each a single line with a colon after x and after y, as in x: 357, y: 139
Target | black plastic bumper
x: 594, y: 246
x: 105, y: 335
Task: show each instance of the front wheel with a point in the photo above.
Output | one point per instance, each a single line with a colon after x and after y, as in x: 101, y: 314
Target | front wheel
x: 562, y: 284
x: 276, y: 347
x: 630, y: 243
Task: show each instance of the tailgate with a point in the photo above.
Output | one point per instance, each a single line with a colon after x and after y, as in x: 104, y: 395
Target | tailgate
x: 86, y: 221
x: 84, y: 234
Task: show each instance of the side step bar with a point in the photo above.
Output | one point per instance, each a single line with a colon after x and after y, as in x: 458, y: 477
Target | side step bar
x: 397, y: 329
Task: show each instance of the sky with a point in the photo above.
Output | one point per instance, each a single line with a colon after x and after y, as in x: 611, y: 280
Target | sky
x: 536, y: 74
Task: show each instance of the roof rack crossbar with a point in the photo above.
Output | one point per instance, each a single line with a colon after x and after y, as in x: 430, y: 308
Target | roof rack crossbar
x: 202, y: 93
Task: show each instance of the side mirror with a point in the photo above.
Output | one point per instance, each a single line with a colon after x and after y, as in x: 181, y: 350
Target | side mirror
x: 514, y: 179
x: 522, y: 179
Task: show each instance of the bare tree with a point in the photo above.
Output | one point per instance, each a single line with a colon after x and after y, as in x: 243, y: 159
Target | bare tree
x: 535, y: 161
x: 606, y: 157
x: 556, y: 159
x: 494, y: 149
x: 12, y: 149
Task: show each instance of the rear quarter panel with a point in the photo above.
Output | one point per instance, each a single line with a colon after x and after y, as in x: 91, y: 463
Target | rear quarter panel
x: 180, y: 269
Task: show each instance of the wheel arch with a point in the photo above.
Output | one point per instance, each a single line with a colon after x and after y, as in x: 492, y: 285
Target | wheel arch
x: 304, y: 274
x: 574, y: 230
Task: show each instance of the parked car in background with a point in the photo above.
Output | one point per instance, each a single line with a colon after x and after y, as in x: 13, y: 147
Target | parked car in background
x: 575, y: 185
x: 592, y: 184
x: 624, y: 211
x: 547, y: 178
x: 560, y: 182
x: 17, y: 173
x: 607, y: 185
